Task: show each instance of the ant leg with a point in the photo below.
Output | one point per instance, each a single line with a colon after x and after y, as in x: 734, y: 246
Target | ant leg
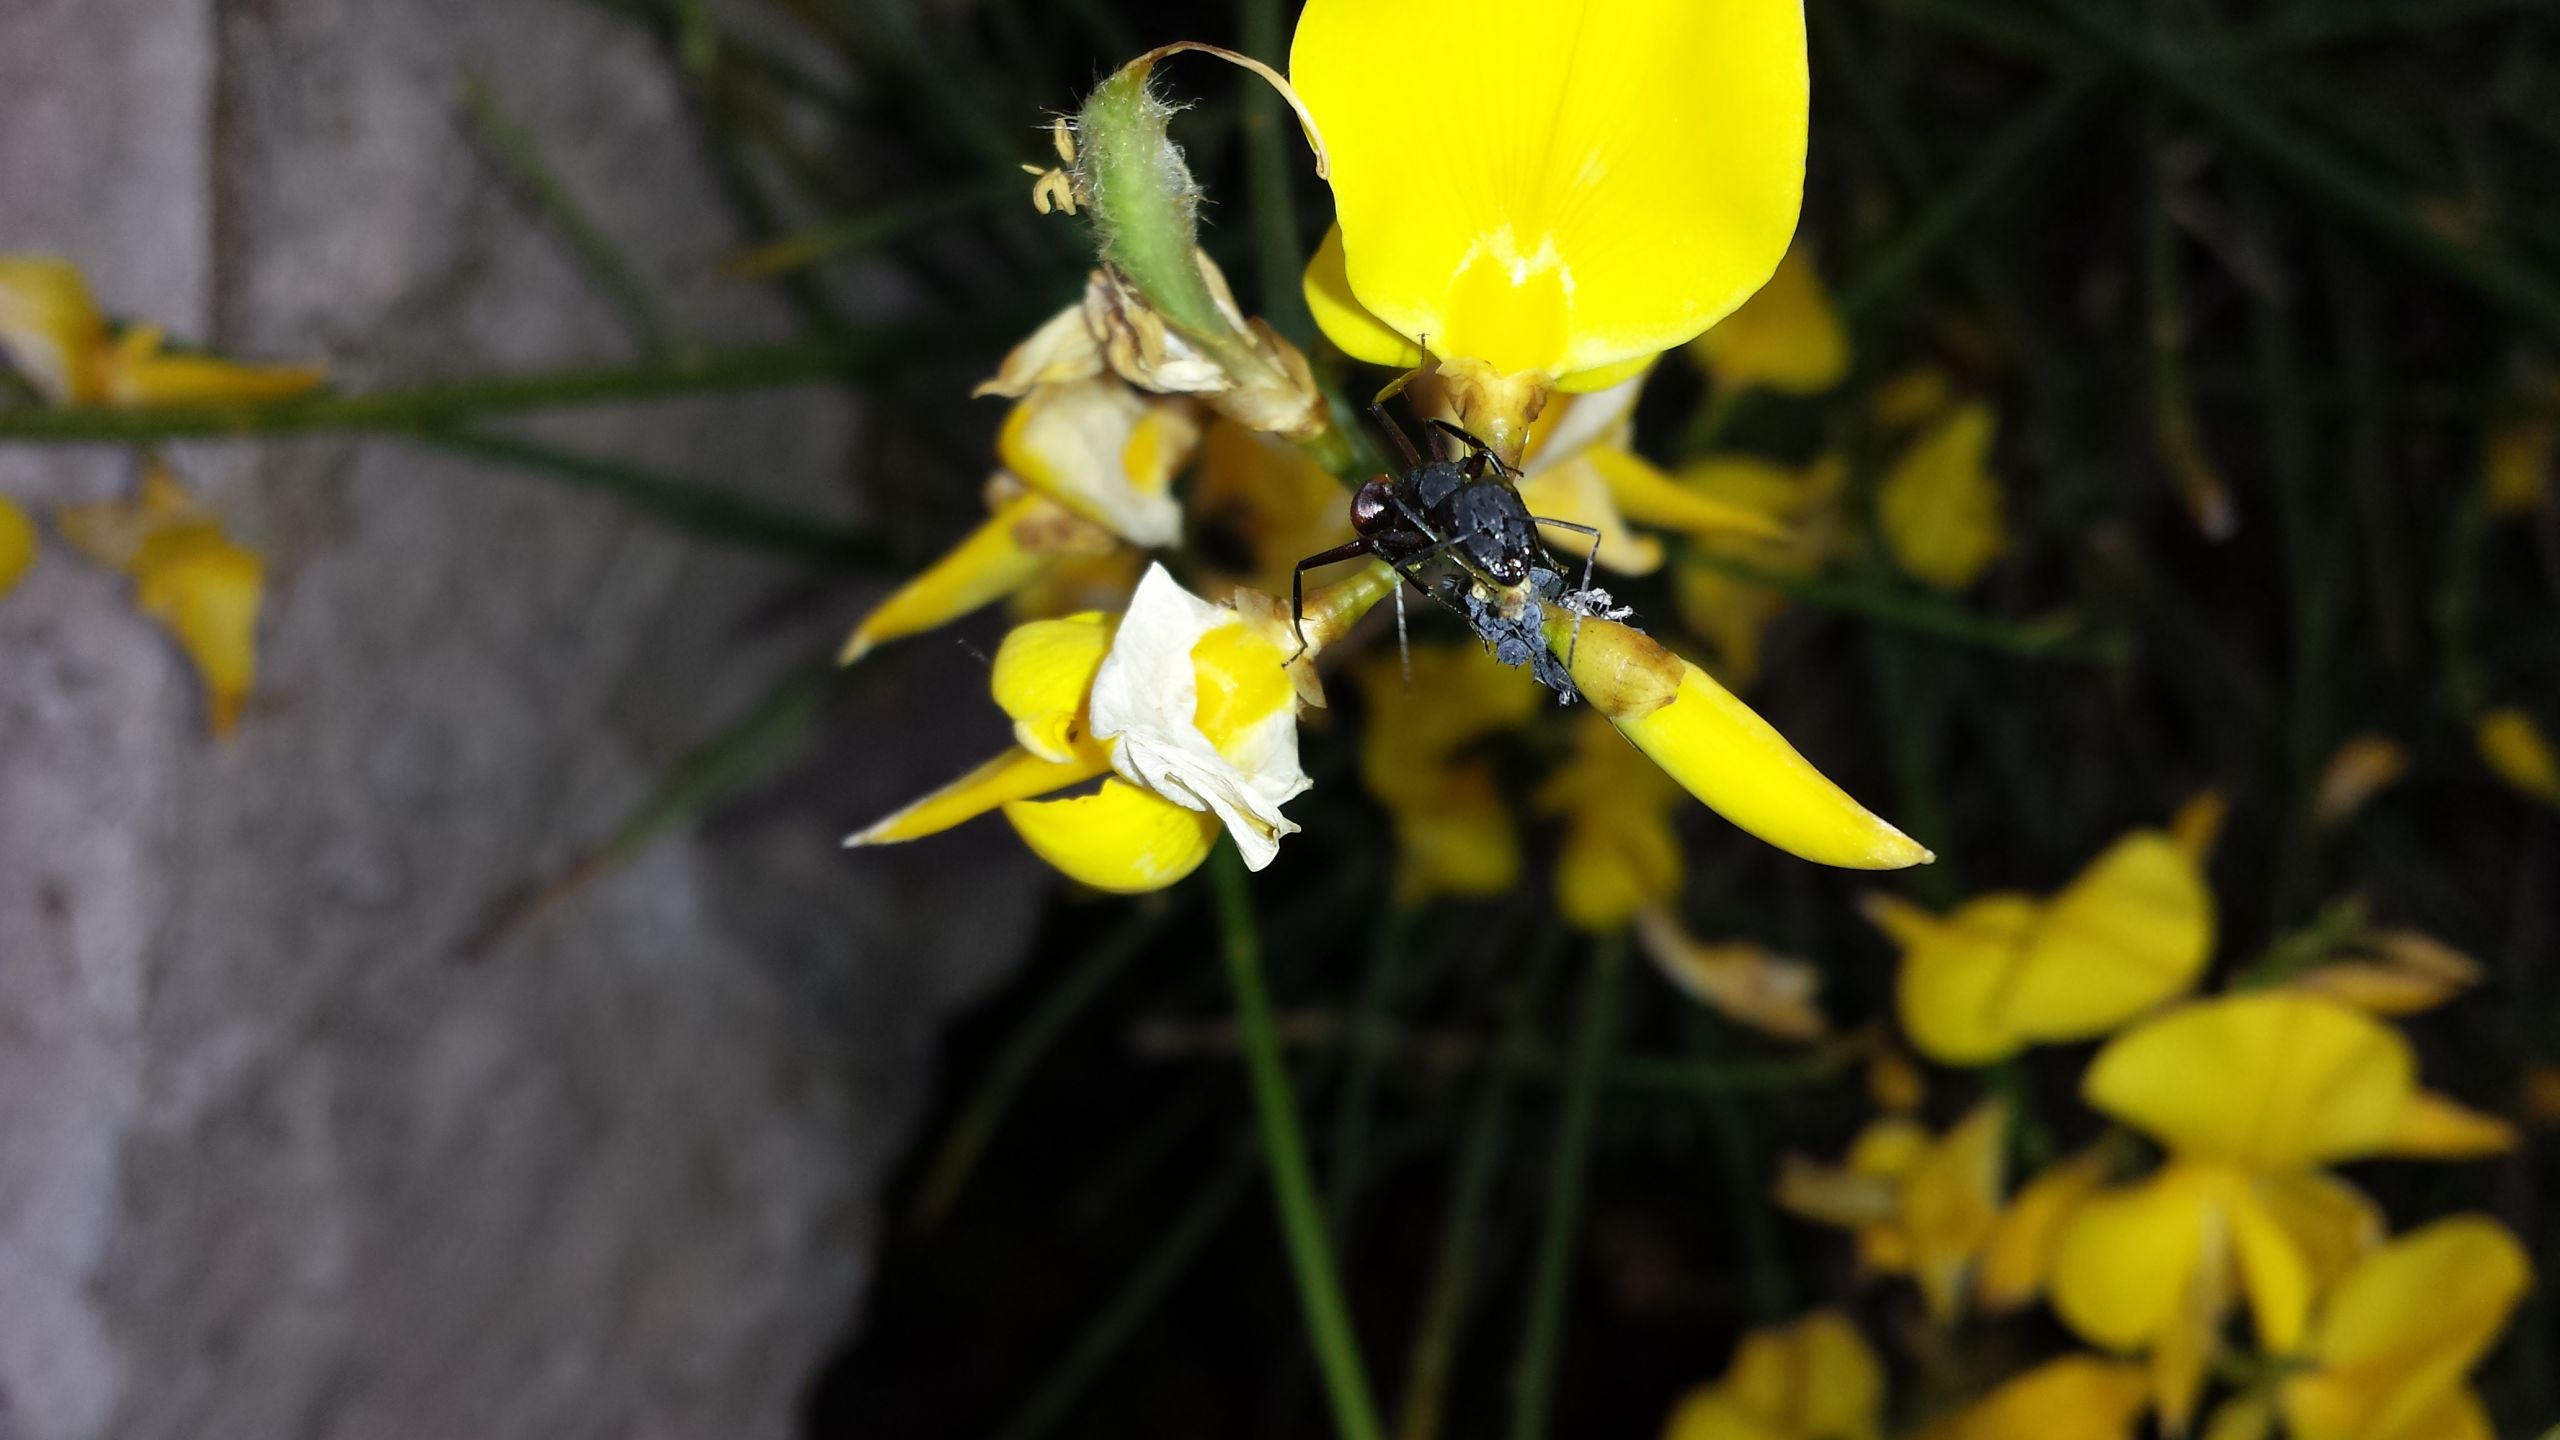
x: 1590, y: 556
x: 1404, y: 652
x: 1467, y: 437
x: 1404, y: 442
x: 1350, y: 550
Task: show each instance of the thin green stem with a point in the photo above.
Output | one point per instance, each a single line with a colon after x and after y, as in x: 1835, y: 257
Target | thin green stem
x: 1743, y: 1169
x: 1352, y: 1114
x: 2056, y: 637
x: 1284, y: 1147
x: 597, y: 259
x: 1541, y: 1350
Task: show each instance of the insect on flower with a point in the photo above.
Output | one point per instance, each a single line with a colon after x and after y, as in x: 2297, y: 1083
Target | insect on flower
x: 1465, y: 509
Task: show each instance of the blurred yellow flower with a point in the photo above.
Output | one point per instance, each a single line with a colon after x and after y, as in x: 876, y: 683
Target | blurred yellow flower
x: 2515, y: 749
x: 1581, y: 467
x: 1088, y: 467
x: 1571, y: 223
x: 1188, y: 702
x: 1419, y: 754
x: 1813, y: 1380
x: 1733, y: 613
x: 2076, y: 1397
x: 2517, y: 464
x: 188, y: 575
x: 1719, y: 751
x: 1259, y: 505
x: 1787, y: 337
x: 2362, y: 767
x: 1939, y: 506
x: 2249, y: 1094
x: 51, y: 333
x: 1619, y: 853
x: 2390, y: 1350
x: 2004, y: 971
x: 1920, y: 1205
x: 17, y: 544
x: 2017, y: 1262
x: 1742, y: 979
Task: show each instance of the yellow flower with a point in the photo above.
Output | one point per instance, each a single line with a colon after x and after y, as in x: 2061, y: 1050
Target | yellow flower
x: 1813, y: 1380
x: 1719, y: 751
x: 17, y: 544
x: 1259, y: 506
x: 1733, y: 613
x: 188, y: 575
x: 52, y: 333
x: 1743, y: 979
x: 1619, y: 853
x: 2077, y: 1397
x: 2004, y: 971
x: 2017, y: 1262
x: 2392, y: 1346
x: 2515, y: 749
x: 1621, y: 175
x: 1920, y: 1205
x: 1786, y: 338
x: 1581, y: 467
x: 1186, y: 706
x: 2363, y: 767
x: 2250, y: 1095
x: 1419, y: 756
x: 1088, y: 467
x: 2517, y: 465
x: 1939, y: 506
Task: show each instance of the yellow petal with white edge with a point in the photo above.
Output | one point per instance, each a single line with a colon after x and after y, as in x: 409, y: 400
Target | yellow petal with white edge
x: 1570, y: 217
x: 988, y: 564
x: 1017, y: 774
x: 1649, y: 497
x: 50, y: 331
x: 2275, y: 1080
x: 1042, y: 675
x: 2131, y: 931
x: 2516, y: 750
x: 17, y: 544
x: 2396, y: 1338
x: 1105, y: 452
x: 1120, y: 839
x: 1939, y: 506
x: 1952, y: 990
x: 207, y: 591
x: 1731, y: 759
x: 1787, y: 337
x: 2077, y: 1397
x: 1343, y: 319
x: 2437, y: 1128
x: 2018, y: 1257
x: 2126, y: 1258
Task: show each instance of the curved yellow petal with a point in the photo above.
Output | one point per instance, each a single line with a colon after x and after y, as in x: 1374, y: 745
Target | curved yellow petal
x: 1952, y: 992
x: 1574, y: 490
x: 1949, y: 1202
x: 988, y: 564
x: 2127, y: 1257
x: 1721, y: 752
x: 50, y: 330
x: 2401, y: 1330
x: 1816, y: 1379
x: 1612, y: 865
x: 1341, y: 316
x: 1939, y: 506
x: 1105, y: 452
x: 1042, y: 675
x: 2332, y: 1223
x: 1649, y: 497
x: 1621, y: 174
x: 206, y: 591
x: 2437, y: 1128
x: 2274, y: 1273
x: 1017, y: 774
x: 17, y: 544
x: 2516, y: 751
x: 2132, y: 931
x: 2077, y: 1397
x: 2275, y: 1080
x: 1786, y: 338
x: 1121, y: 839
x: 143, y: 380
x: 2017, y: 1259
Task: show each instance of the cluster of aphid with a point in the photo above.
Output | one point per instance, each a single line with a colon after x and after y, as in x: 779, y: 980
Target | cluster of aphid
x: 1456, y: 529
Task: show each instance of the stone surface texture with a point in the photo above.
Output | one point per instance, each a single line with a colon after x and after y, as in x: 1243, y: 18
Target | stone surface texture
x: 273, y: 1163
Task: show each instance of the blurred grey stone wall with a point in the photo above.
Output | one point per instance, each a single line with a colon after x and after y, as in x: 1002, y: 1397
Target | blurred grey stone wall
x: 272, y: 1163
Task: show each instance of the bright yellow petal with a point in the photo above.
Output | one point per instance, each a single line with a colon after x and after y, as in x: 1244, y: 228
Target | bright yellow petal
x: 1950, y: 1199
x: 1343, y: 319
x: 2018, y: 1257
x: 2274, y: 1273
x: 2515, y: 750
x: 1649, y: 497
x: 1121, y: 839
x: 1017, y: 774
x: 1721, y: 752
x: 1042, y: 676
x: 2077, y: 1397
x: 2274, y: 1080
x: 1939, y: 506
x: 2331, y: 1222
x: 991, y: 562
x: 17, y: 544
x: 1816, y: 1379
x: 1569, y: 217
x: 206, y: 590
x: 2361, y: 768
x: 2126, y: 1258
x: 2518, y: 464
x: 1786, y: 338
x: 2396, y: 1339
x: 2437, y: 1128
x: 50, y: 331
x: 1952, y: 990
x: 1575, y: 490
x: 2132, y: 931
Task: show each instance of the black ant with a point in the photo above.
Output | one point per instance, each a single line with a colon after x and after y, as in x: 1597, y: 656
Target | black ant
x: 1468, y: 509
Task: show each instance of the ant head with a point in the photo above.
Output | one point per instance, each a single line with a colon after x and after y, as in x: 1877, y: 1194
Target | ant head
x: 1371, y: 508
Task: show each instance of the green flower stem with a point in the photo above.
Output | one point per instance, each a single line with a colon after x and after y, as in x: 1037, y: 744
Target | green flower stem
x: 2055, y: 637
x: 1534, y: 1366
x: 1284, y: 1147
x: 1351, y: 1115
x: 439, y: 406
x: 1742, y: 1165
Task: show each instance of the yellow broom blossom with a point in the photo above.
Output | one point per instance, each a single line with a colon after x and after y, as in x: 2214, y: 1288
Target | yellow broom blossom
x: 1420, y: 756
x: 2391, y: 1348
x: 188, y: 575
x: 1813, y: 1380
x: 1622, y: 174
x: 1732, y: 612
x: 1258, y: 505
x: 1619, y: 854
x: 51, y: 333
x: 1939, y: 506
x: 1581, y: 467
x: 2250, y: 1095
x: 1787, y: 337
x: 1920, y: 1205
x: 2076, y: 1397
